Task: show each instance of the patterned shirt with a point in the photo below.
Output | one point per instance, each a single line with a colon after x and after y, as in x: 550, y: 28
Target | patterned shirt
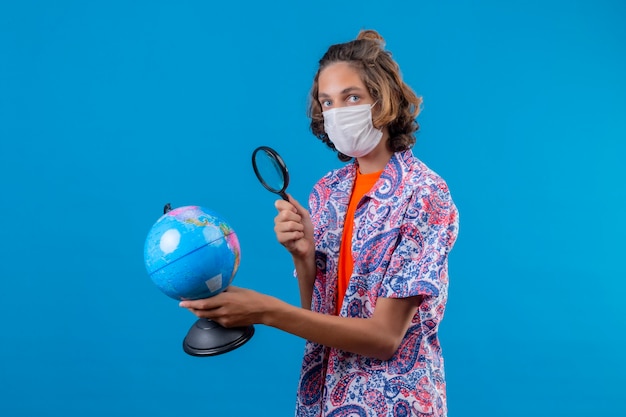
x: 404, y: 228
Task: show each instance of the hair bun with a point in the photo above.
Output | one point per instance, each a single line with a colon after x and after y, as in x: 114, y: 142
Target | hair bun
x: 371, y: 35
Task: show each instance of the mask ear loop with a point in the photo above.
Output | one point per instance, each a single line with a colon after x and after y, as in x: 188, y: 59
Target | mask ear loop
x: 372, y: 113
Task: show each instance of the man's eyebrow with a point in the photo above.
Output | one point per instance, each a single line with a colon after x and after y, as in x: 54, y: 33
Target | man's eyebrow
x: 344, y: 91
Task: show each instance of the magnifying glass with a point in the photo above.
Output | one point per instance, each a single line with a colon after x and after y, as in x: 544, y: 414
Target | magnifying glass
x: 271, y: 170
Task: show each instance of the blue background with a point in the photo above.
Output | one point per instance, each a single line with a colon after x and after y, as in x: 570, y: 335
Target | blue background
x: 109, y: 110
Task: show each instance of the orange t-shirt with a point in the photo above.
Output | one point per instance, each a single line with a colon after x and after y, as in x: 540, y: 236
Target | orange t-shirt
x: 362, y: 184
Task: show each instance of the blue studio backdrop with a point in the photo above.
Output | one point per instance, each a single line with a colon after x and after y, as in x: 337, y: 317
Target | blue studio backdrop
x: 110, y: 109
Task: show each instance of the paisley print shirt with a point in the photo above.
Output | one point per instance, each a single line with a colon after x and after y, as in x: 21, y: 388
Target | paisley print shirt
x: 404, y: 228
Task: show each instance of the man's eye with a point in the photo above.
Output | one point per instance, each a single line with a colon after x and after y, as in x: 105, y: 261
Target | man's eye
x: 325, y: 103
x: 353, y: 99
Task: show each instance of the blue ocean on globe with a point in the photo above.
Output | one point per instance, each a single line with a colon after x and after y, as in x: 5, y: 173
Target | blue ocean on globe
x: 191, y: 252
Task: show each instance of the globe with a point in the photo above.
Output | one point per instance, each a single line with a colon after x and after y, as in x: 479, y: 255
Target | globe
x: 191, y: 252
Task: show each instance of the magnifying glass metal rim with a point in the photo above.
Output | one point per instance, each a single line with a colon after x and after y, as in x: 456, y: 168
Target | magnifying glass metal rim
x: 283, y: 167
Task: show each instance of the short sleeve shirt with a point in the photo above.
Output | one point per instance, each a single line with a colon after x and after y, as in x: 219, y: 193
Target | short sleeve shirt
x: 404, y: 229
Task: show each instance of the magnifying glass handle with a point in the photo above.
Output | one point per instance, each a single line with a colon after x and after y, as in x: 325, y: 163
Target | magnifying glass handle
x: 284, y: 196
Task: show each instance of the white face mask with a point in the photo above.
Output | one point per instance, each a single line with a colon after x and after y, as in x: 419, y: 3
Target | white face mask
x: 351, y: 129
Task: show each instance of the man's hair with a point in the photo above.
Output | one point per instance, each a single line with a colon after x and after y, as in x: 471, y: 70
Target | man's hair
x: 398, y: 104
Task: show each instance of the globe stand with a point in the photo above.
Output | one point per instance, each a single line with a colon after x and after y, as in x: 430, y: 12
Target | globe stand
x: 208, y: 338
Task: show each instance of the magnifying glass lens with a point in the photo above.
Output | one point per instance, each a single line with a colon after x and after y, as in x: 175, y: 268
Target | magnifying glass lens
x: 271, y: 171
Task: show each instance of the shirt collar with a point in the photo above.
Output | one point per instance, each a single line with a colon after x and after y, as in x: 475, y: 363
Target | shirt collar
x: 391, y: 179
x: 392, y: 176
